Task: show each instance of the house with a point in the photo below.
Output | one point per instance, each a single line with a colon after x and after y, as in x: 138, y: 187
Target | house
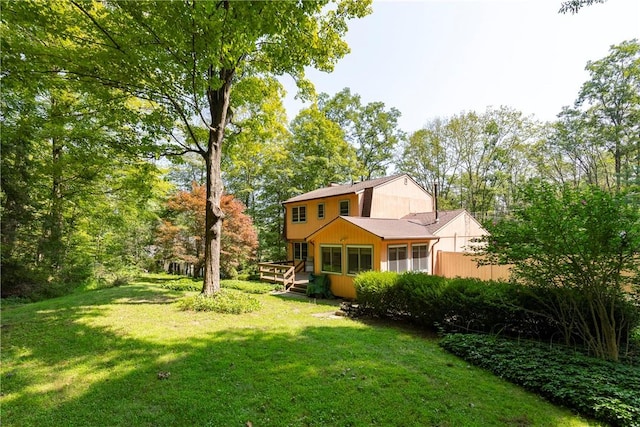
x: 384, y: 224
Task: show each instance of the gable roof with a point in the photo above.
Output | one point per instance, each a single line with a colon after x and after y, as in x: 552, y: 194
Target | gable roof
x: 421, y: 225
x: 391, y: 229
x: 339, y: 190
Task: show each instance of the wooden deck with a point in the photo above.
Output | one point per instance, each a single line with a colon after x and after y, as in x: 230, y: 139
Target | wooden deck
x: 288, y: 273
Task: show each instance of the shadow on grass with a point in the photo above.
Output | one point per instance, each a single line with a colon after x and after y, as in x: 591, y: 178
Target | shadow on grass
x: 342, y: 375
x: 291, y: 296
x: 159, y: 279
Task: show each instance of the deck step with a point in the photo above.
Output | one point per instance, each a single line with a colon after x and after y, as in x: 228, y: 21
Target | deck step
x: 299, y: 288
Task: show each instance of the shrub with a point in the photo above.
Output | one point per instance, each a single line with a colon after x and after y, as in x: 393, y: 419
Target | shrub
x: 422, y: 294
x: 606, y: 390
x: 183, y: 284
x: 248, y: 287
x: 581, y: 238
x: 472, y: 305
x: 225, y: 301
x: 570, y: 311
x: 378, y: 295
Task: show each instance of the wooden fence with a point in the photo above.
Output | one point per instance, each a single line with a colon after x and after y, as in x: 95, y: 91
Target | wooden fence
x: 457, y: 264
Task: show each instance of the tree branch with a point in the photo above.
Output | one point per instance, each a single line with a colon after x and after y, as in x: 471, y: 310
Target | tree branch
x: 100, y: 27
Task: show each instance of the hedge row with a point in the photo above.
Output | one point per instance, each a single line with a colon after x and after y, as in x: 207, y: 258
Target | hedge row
x: 606, y: 391
x: 469, y: 305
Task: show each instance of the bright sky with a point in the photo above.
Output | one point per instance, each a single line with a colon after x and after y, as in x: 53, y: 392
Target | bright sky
x: 437, y: 58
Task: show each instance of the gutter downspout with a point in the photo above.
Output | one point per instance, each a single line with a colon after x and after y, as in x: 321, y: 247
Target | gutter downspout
x: 433, y: 257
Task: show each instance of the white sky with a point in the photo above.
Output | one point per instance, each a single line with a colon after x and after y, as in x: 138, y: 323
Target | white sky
x: 437, y: 58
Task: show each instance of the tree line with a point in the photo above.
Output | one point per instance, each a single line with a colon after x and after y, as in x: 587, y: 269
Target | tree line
x: 112, y: 121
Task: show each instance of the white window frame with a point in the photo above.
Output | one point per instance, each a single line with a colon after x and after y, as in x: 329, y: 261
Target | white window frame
x: 295, y: 214
x: 347, y: 258
x: 413, y: 259
x: 321, y: 205
x: 406, y: 258
x: 341, y: 259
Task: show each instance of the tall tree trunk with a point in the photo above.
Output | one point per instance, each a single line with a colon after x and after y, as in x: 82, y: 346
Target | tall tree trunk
x: 218, y: 107
x: 54, y: 243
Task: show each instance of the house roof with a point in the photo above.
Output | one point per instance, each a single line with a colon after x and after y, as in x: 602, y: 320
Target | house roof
x: 428, y: 219
x: 421, y: 225
x: 390, y: 229
x: 339, y: 190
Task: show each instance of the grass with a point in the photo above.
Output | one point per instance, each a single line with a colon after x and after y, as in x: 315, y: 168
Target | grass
x: 127, y: 356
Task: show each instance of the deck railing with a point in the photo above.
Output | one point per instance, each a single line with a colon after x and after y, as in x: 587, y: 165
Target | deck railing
x: 280, y: 272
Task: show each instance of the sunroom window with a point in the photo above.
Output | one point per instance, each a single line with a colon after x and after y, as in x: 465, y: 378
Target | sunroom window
x: 397, y: 259
x: 359, y: 258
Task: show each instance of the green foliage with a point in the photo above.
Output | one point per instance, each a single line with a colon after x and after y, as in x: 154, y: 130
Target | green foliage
x: 223, y: 301
x: 248, y: 287
x: 422, y: 294
x: 599, y: 136
x: 371, y: 129
x: 585, y: 243
x: 319, y: 151
x: 183, y: 284
x: 477, y: 159
x: 173, y: 66
x: 189, y: 284
x: 607, y: 391
x: 377, y: 293
x: 505, y: 308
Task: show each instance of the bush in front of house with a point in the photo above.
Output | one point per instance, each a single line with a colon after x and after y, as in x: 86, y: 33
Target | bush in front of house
x: 378, y: 294
x: 476, y: 306
x: 473, y: 305
x: 450, y: 305
x: 422, y: 296
x: 605, y: 390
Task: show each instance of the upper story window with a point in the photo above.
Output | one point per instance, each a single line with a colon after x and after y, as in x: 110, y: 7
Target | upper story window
x: 344, y: 208
x: 299, y: 214
x: 320, y: 210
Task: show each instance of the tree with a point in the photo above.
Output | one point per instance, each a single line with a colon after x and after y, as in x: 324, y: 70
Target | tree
x: 258, y: 132
x: 318, y: 152
x: 610, y: 102
x: 371, y: 129
x: 428, y: 156
x: 486, y: 146
x: 184, y: 58
x: 582, y: 153
x: 574, y: 6
x: 577, y: 249
x: 180, y: 236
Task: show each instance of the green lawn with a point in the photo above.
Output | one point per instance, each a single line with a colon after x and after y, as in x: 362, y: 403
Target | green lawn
x: 94, y: 359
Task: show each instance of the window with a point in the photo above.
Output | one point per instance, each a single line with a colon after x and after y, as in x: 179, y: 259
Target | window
x: 397, y: 260
x: 331, y: 259
x: 420, y: 257
x: 299, y: 214
x: 320, y: 210
x: 300, y: 250
x: 359, y: 259
x: 344, y: 208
